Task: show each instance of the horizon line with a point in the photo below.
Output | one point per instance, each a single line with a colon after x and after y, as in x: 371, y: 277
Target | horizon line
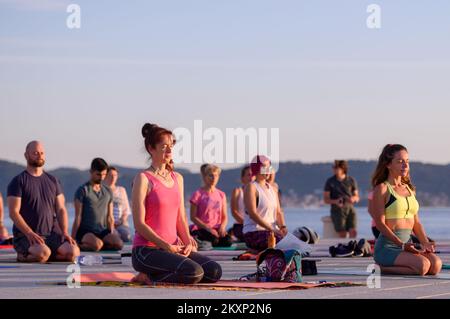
x: 224, y: 169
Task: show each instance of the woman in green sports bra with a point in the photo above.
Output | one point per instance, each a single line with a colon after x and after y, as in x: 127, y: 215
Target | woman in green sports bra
x: 396, y: 209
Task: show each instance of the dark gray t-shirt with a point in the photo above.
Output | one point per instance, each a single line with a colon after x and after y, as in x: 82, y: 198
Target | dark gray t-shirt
x: 38, y: 202
x: 340, y: 189
x: 94, y: 215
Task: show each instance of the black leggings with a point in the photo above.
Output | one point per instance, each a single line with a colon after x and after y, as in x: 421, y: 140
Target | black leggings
x: 162, y: 266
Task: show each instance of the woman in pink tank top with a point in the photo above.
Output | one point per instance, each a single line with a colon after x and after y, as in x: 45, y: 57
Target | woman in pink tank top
x: 163, y: 250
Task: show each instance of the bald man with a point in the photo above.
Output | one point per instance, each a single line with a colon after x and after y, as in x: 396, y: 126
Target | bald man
x: 37, y: 208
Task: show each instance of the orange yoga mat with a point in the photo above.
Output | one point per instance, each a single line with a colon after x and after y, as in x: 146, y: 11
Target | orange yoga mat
x: 118, y: 277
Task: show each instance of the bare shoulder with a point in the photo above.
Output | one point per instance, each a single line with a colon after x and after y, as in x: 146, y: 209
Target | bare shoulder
x: 275, y: 186
x: 141, y: 180
x: 236, y: 191
x: 380, y: 189
x: 179, y: 176
x: 250, y: 188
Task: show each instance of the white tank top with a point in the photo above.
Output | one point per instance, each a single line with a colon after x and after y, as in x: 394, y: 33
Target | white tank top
x: 267, y: 208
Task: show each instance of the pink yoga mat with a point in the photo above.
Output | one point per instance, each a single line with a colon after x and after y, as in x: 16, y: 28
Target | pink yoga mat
x: 126, y: 277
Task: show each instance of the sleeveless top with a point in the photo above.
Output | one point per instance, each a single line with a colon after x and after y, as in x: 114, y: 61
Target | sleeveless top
x: 267, y: 206
x: 399, y: 207
x: 162, y: 205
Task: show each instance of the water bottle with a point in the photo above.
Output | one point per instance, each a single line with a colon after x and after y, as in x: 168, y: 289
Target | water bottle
x: 90, y: 260
x: 272, y: 241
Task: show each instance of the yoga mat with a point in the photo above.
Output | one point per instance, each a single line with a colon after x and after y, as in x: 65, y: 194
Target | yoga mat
x: 445, y: 266
x: 8, y: 267
x: 357, y: 272
x: 6, y: 247
x: 245, y: 256
x: 123, y: 279
x: 232, y: 247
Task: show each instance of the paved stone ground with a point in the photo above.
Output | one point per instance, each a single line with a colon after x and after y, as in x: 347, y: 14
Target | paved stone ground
x: 32, y: 281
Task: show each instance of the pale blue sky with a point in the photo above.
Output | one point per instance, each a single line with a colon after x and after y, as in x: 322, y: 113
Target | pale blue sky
x: 333, y: 87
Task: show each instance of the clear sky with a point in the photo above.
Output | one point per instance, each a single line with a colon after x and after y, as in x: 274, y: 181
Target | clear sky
x: 334, y: 88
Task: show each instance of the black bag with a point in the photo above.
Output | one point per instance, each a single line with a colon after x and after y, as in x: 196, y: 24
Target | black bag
x: 309, y: 267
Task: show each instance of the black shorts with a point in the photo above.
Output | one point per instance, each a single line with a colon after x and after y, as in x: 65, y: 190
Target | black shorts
x: 100, y: 235
x: 52, y: 241
x: 344, y: 218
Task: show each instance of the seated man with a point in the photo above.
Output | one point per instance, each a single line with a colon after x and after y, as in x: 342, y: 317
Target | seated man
x: 93, y: 226
x: 37, y: 208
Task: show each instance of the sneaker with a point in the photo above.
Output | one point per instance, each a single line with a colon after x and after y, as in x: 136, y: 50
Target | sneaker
x: 366, y: 248
x: 344, y: 250
x: 359, y: 252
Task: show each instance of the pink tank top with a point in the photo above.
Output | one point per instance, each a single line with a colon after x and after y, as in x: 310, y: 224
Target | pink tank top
x: 162, y: 205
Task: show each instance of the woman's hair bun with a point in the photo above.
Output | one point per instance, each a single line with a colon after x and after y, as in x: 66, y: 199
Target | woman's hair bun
x: 147, y: 128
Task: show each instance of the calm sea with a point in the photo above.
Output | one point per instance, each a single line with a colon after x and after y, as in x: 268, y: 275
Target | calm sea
x: 435, y: 220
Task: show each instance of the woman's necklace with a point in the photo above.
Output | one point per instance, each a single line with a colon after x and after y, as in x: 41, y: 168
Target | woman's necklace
x: 158, y: 172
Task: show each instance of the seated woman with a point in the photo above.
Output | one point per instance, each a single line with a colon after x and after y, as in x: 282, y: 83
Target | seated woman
x: 121, y: 207
x: 395, y: 211
x: 238, y: 206
x: 263, y: 213
x: 162, y: 247
x: 5, y: 238
x: 209, y: 209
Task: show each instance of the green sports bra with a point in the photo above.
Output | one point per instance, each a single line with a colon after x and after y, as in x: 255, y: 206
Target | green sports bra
x: 399, y: 207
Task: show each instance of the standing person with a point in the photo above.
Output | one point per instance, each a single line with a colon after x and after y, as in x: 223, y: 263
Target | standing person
x: 263, y: 213
x: 237, y: 204
x: 396, y: 214
x: 341, y: 192
x: 121, y: 207
x: 209, y: 209
x: 162, y: 249
x: 4, y: 235
x: 93, y: 226
x: 37, y: 207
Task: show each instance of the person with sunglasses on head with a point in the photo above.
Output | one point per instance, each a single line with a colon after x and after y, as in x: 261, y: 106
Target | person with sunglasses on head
x: 263, y: 215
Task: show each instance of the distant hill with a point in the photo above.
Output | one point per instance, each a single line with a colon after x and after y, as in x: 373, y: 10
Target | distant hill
x: 301, y: 184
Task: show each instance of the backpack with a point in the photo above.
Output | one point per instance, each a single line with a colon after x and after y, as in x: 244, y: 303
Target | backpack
x: 306, y: 234
x: 275, y: 265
